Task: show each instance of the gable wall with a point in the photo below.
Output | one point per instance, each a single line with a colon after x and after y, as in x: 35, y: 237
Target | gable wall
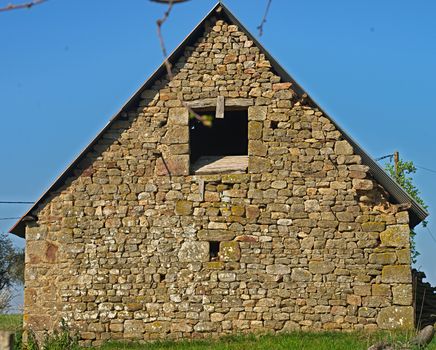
x: 308, y: 239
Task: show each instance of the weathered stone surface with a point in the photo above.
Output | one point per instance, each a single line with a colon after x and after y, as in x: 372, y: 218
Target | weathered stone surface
x: 226, y: 276
x: 402, y: 294
x: 133, y: 329
x: 157, y: 327
x: 258, y: 165
x: 311, y: 205
x: 181, y: 326
x: 257, y: 148
x: 396, y: 317
x: 396, y: 274
x: 354, y: 299
x: 396, y: 236
x: 215, y: 235
x: 176, y: 134
x: 229, y: 251
x: 321, y: 267
x: 178, y: 116
x: 203, y: 327
x: 373, y: 226
x: 6, y: 340
x: 183, y: 208
x: 381, y: 290
x: 255, y: 130
x: 257, y: 113
x: 343, y: 148
x: 278, y: 269
x: 300, y: 275
x: 194, y: 251
x: 387, y: 258
x: 284, y: 222
x: 173, y: 165
x: 363, y: 185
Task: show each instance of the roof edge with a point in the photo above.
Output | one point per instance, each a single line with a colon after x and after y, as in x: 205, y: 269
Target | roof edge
x: 418, y: 213
x: 392, y: 187
x: 19, y: 227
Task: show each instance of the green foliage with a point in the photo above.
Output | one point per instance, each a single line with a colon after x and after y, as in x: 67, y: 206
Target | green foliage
x: 60, y: 339
x: 11, y: 270
x: 11, y: 263
x: 405, y: 180
x: 10, y: 322
x: 205, y: 119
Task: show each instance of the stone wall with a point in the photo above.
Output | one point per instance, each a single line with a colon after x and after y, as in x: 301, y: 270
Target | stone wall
x: 6, y: 340
x: 307, y: 240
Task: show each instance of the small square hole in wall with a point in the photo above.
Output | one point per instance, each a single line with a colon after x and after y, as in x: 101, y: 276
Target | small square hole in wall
x: 274, y: 124
x: 222, y: 146
x: 161, y: 277
x: 214, y: 249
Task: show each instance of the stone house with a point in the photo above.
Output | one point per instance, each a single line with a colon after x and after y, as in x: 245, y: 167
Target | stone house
x: 272, y: 218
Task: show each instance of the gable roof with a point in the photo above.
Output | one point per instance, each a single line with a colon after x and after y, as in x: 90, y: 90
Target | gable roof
x: 416, y: 211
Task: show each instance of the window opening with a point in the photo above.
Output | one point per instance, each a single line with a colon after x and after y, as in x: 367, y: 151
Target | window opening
x: 214, y: 249
x: 274, y: 124
x: 221, y: 147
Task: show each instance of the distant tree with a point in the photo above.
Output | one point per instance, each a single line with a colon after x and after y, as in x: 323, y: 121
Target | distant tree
x: 11, y: 269
x: 404, y: 179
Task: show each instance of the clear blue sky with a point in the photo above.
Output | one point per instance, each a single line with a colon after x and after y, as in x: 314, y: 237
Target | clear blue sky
x: 67, y: 66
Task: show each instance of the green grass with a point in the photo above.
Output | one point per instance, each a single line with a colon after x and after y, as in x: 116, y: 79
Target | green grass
x: 303, y: 341
x: 10, y: 323
x: 298, y: 341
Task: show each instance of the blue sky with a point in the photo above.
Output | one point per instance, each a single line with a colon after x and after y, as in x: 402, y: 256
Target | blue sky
x: 67, y: 66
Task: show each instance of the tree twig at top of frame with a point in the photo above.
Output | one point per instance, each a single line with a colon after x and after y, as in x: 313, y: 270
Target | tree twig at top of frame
x: 204, y: 119
x: 260, y: 26
x: 25, y: 5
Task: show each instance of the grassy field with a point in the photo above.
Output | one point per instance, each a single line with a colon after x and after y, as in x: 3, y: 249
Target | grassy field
x: 10, y: 322
x: 298, y: 341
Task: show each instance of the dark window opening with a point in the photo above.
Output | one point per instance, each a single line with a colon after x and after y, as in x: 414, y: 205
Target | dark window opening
x: 214, y: 249
x: 226, y: 136
x: 274, y: 124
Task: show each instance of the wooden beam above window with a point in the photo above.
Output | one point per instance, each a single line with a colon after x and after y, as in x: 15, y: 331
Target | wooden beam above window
x: 211, y: 103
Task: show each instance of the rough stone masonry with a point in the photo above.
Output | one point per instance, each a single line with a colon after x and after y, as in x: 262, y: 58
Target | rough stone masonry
x: 307, y: 239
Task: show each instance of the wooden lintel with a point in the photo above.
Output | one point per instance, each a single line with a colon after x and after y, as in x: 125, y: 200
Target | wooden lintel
x: 204, y: 103
x: 219, y: 107
x: 239, y: 102
x: 211, y: 103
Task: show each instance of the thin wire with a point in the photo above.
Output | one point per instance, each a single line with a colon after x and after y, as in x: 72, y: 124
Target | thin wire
x: 260, y: 27
x: 427, y: 169
x: 9, y: 219
x: 388, y: 156
x: 12, y: 202
x: 431, y: 234
x: 26, y: 5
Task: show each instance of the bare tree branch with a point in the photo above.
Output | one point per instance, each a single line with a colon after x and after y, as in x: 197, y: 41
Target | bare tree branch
x: 204, y: 119
x: 168, y: 1
x: 260, y: 27
x: 26, y: 5
x: 159, y: 23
